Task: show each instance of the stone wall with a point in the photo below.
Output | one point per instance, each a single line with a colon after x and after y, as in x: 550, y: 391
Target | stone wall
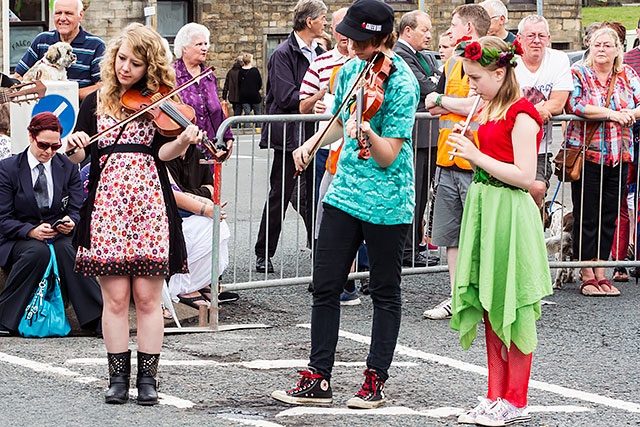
x: 245, y: 26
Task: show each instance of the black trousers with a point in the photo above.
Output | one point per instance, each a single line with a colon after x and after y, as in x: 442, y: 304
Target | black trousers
x: 595, y: 212
x: 425, y: 170
x: 28, y: 262
x: 282, y: 184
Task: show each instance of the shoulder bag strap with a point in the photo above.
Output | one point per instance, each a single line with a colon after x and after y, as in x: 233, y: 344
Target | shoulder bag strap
x: 594, y: 125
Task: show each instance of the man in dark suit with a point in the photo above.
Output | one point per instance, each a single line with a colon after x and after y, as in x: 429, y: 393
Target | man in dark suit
x: 414, y: 34
x: 37, y: 188
x: 286, y: 68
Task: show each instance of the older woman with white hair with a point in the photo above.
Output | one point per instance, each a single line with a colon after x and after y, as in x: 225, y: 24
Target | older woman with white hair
x: 190, y: 47
x: 192, y: 182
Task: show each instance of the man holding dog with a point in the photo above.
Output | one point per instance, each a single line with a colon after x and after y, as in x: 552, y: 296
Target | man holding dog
x: 88, y: 48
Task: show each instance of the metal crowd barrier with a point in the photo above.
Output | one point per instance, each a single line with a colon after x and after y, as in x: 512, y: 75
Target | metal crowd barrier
x: 245, y: 186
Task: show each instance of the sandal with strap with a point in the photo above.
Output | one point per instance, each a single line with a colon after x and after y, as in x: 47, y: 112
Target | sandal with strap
x: 620, y: 274
x: 608, y: 288
x: 584, y: 289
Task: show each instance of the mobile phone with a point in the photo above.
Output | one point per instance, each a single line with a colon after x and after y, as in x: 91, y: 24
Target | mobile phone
x: 59, y: 222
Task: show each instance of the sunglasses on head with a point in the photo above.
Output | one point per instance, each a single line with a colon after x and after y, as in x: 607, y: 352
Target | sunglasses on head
x: 44, y: 146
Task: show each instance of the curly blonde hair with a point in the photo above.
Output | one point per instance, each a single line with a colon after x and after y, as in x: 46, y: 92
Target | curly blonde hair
x: 146, y: 44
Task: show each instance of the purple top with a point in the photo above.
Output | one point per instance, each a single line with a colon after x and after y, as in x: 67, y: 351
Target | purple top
x: 203, y: 97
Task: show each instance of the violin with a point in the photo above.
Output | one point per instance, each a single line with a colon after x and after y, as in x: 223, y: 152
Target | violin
x: 169, y: 117
x: 372, y: 76
x: 369, y: 97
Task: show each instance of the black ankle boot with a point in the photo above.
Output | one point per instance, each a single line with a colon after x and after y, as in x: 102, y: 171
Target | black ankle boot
x: 146, y: 379
x: 119, y: 373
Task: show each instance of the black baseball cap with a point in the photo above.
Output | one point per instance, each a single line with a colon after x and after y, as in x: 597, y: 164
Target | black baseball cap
x: 366, y: 19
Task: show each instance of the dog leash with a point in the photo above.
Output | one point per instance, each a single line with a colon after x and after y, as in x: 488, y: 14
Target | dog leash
x: 553, y: 199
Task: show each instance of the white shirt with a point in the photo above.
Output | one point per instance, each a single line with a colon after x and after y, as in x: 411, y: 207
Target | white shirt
x: 554, y: 74
x: 33, y: 164
x: 309, y: 52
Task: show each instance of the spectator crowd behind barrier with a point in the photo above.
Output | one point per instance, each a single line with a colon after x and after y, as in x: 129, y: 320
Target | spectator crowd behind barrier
x: 245, y: 187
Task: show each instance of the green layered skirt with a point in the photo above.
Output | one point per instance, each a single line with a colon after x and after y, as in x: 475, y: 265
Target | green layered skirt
x: 502, y: 266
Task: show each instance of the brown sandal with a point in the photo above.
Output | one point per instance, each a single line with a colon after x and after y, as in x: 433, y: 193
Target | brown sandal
x: 584, y: 289
x: 608, y: 289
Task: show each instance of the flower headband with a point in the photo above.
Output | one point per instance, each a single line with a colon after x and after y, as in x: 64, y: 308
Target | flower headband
x: 485, y: 55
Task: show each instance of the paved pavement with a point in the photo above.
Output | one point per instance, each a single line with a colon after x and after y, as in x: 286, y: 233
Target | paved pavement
x: 585, y: 370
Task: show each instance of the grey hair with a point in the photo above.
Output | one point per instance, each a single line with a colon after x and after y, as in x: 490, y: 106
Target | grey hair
x: 533, y: 19
x: 80, y: 6
x: 307, y: 9
x: 497, y: 7
x: 410, y: 19
x: 186, y: 34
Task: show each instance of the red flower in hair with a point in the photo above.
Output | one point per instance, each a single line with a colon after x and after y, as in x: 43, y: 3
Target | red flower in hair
x: 517, y: 47
x: 473, y: 51
x: 463, y: 39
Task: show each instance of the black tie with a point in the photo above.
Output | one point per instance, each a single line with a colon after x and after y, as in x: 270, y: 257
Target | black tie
x: 40, y: 189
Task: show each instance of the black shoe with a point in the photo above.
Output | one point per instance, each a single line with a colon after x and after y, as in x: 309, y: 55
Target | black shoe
x: 146, y: 379
x: 119, y: 372
x: 260, y: 265
x: 312, y: 388
x: 227, y: 297
x: 418, y: 260
x: 433, y: 260
x: 310, y: 287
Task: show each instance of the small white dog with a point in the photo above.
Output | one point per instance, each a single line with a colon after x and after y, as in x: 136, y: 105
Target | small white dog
x: 54, y: 64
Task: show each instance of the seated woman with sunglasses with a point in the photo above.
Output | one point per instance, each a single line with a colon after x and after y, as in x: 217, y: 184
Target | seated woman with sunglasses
x: 40, y: 199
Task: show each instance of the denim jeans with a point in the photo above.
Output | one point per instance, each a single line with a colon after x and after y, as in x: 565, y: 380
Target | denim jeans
x: 340, y: 237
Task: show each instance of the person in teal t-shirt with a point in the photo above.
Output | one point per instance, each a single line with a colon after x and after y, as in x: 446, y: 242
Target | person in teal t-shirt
x: 370, y: 199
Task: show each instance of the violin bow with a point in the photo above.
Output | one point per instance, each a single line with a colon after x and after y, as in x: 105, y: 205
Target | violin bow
x: 467, y: 122
x: 149, y: 107
x: 346, y: 99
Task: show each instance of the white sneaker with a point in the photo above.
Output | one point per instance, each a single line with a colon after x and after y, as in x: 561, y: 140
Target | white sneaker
x: 469, y: 417
x: 503, y: 413
x: 440, y: 311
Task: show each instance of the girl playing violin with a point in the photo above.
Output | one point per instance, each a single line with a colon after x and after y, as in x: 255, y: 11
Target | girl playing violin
x: 502, y: 271
x: 370, y: 200
x: 130, y: 233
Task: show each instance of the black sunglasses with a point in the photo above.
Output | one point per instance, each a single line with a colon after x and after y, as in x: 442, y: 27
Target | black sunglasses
x: 44, y: 146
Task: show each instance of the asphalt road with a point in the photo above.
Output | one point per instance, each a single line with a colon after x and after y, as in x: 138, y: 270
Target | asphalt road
x: 585, y: 370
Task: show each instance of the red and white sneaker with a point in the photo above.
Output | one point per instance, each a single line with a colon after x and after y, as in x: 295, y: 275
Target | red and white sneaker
x: 371, y: 394
x: 313, y: 389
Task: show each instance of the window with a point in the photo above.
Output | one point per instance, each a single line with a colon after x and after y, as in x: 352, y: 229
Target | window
x: 172, y: 15
x: 27, y: 18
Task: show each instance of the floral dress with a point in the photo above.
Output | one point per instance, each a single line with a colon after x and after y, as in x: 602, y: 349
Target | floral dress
x: 129, y: 227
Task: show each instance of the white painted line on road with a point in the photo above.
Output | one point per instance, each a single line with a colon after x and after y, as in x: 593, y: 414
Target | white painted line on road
x: 443, y: 412
x: 463, y: 366
x: 252, y: 364
x: 45, y: 367
x: 258, y: 423
x: 165, y: 399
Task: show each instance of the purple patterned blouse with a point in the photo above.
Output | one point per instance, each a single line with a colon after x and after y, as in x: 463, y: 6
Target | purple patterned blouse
x: 203, y: 97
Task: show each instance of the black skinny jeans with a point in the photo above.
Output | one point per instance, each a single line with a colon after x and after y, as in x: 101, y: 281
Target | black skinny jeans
x: 340, y: 237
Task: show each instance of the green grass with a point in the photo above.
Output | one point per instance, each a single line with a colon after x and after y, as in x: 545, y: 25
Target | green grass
x: 628, y: 16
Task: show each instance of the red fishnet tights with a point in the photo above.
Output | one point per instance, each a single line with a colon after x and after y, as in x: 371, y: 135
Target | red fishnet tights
x: 509, y: 370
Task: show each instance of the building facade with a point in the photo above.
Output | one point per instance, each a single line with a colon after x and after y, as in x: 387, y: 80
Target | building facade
x: 254, y: 26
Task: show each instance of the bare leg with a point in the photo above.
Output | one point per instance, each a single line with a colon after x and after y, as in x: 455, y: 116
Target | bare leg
x: 147, y: 294
x: 116, y: 294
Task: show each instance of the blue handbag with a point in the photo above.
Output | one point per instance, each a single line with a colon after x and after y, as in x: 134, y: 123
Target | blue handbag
x: 44, y: 316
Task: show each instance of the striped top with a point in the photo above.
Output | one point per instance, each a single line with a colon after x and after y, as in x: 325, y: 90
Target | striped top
x: 319, y: 72
x: 88, y: 48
